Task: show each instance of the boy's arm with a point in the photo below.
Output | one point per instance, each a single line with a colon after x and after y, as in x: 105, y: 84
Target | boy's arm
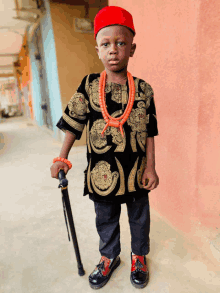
x: 150, y: 153
x: 150, y: 173
x: 72, y: 123
x: 67, y: 144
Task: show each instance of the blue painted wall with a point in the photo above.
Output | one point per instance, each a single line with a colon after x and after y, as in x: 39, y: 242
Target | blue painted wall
x: 35, y: 86
x: 51, y: 68
x: 51, y: 71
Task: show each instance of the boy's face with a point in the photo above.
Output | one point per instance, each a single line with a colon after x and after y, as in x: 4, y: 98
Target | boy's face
x: 114, y: 47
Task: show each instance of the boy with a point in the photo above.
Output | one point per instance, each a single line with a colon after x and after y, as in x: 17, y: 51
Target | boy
x: 121, y: 123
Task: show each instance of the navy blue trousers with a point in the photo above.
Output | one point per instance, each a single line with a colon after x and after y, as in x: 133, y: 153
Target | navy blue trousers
x: 108, y: 228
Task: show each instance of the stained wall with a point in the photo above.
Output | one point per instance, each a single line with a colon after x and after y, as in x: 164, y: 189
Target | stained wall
x: 75, y: 51
x: 178, y: 53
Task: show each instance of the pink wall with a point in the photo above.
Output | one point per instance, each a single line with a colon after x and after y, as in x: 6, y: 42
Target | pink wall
x: 178, y: 54
x: 208, y: 158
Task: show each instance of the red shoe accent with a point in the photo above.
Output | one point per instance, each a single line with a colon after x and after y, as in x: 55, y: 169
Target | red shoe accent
x: 105, y: 265
x: 138, y: 262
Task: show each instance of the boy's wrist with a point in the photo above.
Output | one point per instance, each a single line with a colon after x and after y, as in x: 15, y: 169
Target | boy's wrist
x: 150, y: 167
x: 59, y: 159
x: 63, y: 156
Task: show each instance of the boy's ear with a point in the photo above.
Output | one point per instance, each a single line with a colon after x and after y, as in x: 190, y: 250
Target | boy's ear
x: 133, y: 48
x: 97, y: 50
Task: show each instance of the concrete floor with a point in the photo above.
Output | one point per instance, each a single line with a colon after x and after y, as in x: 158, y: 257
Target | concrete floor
x: 35, y: 254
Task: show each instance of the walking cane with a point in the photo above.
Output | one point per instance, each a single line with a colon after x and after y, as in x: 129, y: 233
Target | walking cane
x: 67, y: 210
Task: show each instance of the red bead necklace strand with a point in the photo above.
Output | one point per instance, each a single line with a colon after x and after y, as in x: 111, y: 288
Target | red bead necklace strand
x: 119, y: 121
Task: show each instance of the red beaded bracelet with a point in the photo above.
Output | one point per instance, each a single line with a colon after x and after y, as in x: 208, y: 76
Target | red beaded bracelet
x: 63, y: 160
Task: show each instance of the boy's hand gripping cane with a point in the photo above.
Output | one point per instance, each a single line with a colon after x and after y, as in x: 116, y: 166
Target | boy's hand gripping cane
x: 67, y: 210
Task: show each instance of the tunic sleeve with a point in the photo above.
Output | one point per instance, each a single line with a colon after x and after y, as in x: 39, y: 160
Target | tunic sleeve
x: 76, y: 113
x: 151, y: 112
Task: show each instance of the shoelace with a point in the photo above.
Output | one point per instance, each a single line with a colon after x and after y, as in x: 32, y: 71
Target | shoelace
x: 101, y: 266
x: 138, y: 265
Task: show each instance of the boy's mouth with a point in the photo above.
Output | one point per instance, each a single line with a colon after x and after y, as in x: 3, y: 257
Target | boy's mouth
x: 113, y: 61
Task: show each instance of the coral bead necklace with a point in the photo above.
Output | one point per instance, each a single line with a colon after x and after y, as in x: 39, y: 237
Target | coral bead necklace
x: 119, y: 121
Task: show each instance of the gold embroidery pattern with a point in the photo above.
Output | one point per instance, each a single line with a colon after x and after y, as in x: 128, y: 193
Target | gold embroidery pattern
x: 133, y: 141
x: 99, y: 143
x: 116, y: 93
x: 118, y: 139
x: 117, y: 113
x: 78, y: 106
x: 141, y: 171
x: 141, y: 138
x: 73, y: 123
x: 143, y: 86
x: 124, y: 97
x: 108, y: 87
x: 147, y: 89
x: 93, y: 90
x: 87, y: 85
x: 97, y: 109
x: 131, y: 178
x: 89, y: 177
x: 116, y: 134
x: 137, y: 118
x: 148, y: 102
x: 121, y: 190
x: 87, y: 137
x: 138, y: 95
x: 119, y: 92
x: 136, y: 82
x: 103, y: 180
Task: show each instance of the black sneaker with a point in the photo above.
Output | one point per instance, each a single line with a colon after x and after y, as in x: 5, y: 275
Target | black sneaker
x: 139, y: 271
x: 103, y: 271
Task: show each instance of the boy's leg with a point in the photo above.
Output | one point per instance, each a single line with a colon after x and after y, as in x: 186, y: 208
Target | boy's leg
x: 139, y: 220
x: 107, y: 225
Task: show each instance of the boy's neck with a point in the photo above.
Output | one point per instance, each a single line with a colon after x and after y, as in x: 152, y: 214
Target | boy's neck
x: 116, y: 77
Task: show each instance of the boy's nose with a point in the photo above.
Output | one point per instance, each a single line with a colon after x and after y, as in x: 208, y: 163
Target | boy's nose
x: 113, y: 48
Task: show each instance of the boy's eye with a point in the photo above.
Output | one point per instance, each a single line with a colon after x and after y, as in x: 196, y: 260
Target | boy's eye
x: 105, y: 44
x: 121, y: 44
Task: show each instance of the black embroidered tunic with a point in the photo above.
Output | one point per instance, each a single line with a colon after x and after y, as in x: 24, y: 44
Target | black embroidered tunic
x: 115, y: 164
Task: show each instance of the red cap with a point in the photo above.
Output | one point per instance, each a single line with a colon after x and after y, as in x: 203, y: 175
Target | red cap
x: 111, y: 15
